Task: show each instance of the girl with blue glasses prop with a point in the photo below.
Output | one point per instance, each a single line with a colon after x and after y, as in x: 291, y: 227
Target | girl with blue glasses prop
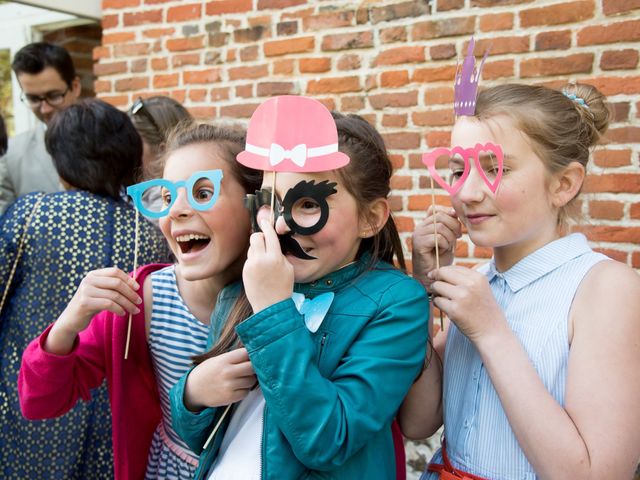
x: 203, y: 189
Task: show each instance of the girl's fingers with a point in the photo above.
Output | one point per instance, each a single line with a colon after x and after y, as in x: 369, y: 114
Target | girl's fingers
x: 445, y: 238
x: 238, y: 355
x: 114, y: 308
x: 443, y: 220
x: 115, y: 302
x: 272, y: 244
x: 440, y: 212
x: 440, y: 208
x: 453, y: 274
x: 94, y: 305
x: 444, y: 224
x: 239, y: 395
x: 115, y: 272
x: 244, y: 369
x: 256, y: 243
x: 443, y: 289
x: 451, y: 223
x: 236, y: 363
x: 443, y: 304
x: 246, y: 382
x: 118, y: 285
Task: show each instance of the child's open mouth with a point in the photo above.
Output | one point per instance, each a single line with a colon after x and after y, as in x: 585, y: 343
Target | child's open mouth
x: 192, y: 242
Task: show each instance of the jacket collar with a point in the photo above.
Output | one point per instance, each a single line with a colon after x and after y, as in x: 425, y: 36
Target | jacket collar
x: 334, y: 280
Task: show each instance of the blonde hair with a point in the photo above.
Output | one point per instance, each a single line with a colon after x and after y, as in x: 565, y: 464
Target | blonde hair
x: 561, y: 130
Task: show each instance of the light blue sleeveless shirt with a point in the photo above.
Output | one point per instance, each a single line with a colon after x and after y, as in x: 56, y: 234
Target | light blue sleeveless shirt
x: 535, y: 295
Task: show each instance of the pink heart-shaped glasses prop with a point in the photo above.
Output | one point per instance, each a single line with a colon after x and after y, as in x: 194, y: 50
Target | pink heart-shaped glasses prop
x: 429, y: 159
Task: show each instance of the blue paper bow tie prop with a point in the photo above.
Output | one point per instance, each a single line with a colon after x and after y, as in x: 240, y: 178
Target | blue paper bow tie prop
x: 313, y: 310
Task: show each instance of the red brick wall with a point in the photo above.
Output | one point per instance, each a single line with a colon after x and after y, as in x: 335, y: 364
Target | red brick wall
x: 392, y: 62
x: 79, y: 41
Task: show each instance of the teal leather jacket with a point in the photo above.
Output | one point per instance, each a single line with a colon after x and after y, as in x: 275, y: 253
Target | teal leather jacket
x: 330, y: 395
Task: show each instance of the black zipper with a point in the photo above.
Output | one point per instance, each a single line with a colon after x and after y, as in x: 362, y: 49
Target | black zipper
x: 323, y: 341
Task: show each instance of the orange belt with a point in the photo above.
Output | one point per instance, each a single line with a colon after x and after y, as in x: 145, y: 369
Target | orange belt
x: 448, y: 471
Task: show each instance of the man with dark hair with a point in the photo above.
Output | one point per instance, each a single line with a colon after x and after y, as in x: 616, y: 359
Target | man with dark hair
x: 49, y: 83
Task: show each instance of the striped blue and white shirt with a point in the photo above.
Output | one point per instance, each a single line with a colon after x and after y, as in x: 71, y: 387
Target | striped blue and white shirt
x: 175, y: 336
x: 535, y: 295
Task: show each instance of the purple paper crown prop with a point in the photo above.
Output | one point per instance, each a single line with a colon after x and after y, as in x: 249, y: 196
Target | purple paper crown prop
x: 466, y: 83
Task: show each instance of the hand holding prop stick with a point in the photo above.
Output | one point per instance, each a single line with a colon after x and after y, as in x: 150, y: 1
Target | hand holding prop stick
x: 466, y: 83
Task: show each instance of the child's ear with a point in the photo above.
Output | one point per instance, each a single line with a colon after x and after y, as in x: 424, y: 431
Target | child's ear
x: 567, y: 184
x: 375, y: 219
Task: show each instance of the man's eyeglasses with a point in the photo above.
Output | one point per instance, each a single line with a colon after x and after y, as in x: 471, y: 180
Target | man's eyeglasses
x: 139, y: 108
x: 53, y: 99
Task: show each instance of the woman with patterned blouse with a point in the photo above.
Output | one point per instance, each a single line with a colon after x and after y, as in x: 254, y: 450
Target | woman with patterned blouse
x: 64, y: 235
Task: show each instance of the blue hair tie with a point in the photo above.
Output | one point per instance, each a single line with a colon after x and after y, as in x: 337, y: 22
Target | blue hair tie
x: 576, y: 99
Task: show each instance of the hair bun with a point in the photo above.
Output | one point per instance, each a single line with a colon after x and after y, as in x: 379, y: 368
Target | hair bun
x: 592, y: 107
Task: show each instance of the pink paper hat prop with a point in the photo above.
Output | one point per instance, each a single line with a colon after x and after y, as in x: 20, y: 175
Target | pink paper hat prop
x: 292, y: 134
x: 466, y: 83
x: 467, y: 154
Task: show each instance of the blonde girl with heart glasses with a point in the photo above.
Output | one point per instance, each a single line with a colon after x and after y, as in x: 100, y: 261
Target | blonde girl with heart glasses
x: 538, y: 362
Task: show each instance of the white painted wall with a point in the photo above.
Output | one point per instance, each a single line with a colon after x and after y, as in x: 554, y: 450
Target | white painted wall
x: 86, y: 8
x: 20, y: 25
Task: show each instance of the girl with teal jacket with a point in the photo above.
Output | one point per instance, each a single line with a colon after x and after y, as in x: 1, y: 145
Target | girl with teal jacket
x: 335, y: 334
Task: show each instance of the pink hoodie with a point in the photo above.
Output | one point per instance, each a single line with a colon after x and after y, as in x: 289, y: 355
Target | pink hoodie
x: 50, y: 385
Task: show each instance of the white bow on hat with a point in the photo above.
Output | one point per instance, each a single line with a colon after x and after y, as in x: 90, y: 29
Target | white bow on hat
x: 297, y: 154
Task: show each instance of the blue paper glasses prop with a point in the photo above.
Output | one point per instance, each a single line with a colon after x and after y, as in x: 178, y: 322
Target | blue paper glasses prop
x: 202, y: 189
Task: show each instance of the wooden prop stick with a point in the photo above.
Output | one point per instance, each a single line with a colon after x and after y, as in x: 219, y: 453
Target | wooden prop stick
x: 224, y: 414
x: 215, y: 429
x: 435, y: 233
x: 273, y: 200
x: 135, y: 267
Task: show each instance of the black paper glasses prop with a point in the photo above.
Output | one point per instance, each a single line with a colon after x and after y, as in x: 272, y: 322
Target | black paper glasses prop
x: 304, y: 209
